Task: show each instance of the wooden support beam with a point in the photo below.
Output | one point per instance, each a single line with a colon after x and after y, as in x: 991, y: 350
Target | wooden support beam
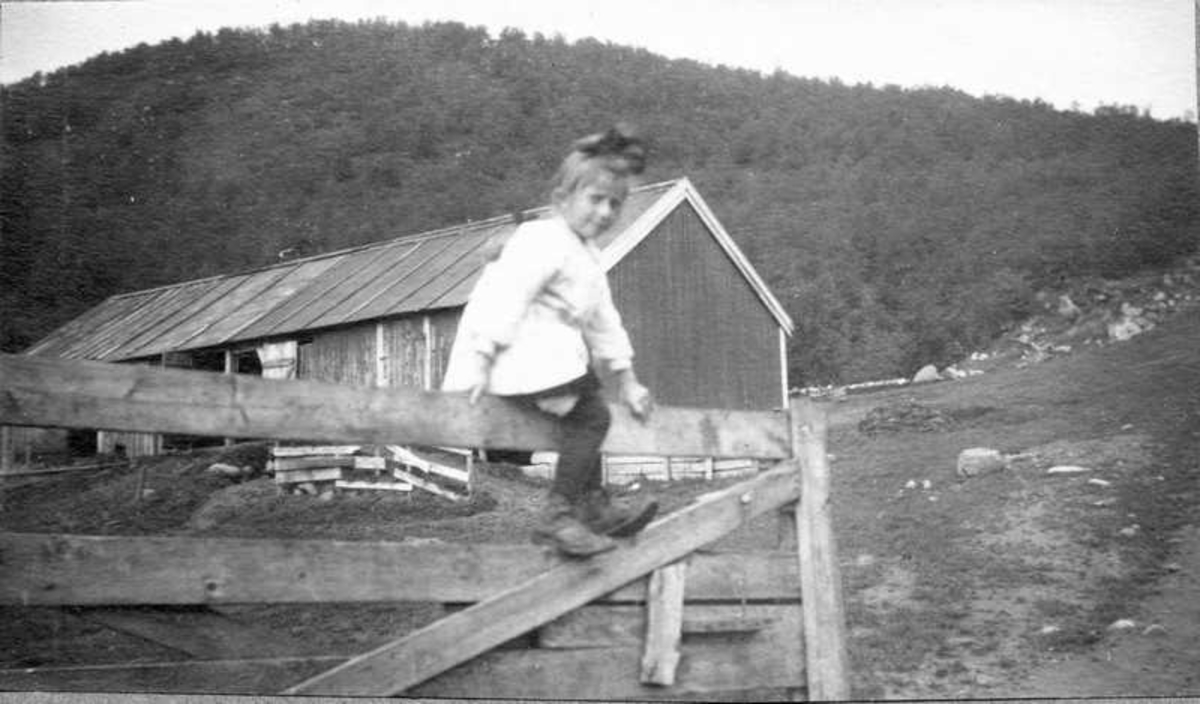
x: 820, y: 579
x: 396, y: 666
x: 664, y: 624
x: 49, y: 392
x: 72, y: 570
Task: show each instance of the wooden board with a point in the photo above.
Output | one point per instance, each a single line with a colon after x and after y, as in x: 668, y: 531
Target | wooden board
x: 374, y: 486
x: 375, y: 463
x: 412, y: 459
x: 187, y: 676
x: 597, y: 626
x: 664, y: 624
x: 772, y: 657
x: 99, y: 570
x: 309, y: 450
x: 396, y: 666
x: 49, y: 392
x: 769, y: 660
x: 427, y: 485
x: 297, y: 476
x: 286, y: 464
x: 199, y: 632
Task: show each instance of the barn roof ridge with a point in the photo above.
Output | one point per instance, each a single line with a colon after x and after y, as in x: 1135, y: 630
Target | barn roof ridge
x: 424, y: 271
x: 458, y: 229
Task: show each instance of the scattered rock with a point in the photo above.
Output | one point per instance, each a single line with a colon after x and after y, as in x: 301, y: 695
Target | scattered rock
x: 1067, y: 469
x: 306, y: 488
x: 1130, y: 531
x: 1155, y: 629
x: 926, y: 484
x: 910, y: 484
x: 325, y: 496
x: 903, y: 415
x: 1049, y: 630
x: 224, y: 470
x: 1099, y: 482
x: 927, y: 373
x: 1122, y: 624
x: 974, y: 461
x: 1067, y: 307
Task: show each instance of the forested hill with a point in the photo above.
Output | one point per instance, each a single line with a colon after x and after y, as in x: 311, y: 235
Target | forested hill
x: 899, y: 227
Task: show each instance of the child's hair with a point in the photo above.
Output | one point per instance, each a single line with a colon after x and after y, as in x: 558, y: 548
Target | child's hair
x: 618, y: 152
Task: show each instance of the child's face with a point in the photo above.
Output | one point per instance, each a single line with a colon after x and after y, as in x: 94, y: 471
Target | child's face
x: 593, y: 207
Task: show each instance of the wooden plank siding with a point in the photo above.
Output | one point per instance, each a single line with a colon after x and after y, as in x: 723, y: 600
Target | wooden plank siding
x: 342, y: 356
x: 443, y: 326
x: 701, y: 335
x: 404, y: 352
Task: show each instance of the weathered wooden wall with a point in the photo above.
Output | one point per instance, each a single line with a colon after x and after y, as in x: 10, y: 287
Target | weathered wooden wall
x: 443, y: 326
x: 342, y: 356
x: 701, y: 335
x: 404, y: 352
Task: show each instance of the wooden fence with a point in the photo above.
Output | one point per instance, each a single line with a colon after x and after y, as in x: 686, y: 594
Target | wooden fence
x: 657, y: 617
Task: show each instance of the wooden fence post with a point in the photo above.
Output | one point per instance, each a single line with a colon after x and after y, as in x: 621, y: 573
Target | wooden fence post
x: 820, y: 579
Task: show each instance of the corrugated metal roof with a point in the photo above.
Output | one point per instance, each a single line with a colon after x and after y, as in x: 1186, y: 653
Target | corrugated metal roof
x: 409, y: 274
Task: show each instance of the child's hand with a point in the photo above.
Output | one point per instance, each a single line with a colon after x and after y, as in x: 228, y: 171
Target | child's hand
x: 480, y: 372
x: 639, y: 400
x: 634, y: 395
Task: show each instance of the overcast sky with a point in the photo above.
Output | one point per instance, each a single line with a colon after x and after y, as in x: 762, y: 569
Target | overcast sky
x: 1069, y: 53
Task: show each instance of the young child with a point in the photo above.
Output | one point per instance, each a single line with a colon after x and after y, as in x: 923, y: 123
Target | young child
x: 541, y: 321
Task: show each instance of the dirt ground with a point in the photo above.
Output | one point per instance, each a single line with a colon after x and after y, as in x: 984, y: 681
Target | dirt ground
x: 1019, y: 582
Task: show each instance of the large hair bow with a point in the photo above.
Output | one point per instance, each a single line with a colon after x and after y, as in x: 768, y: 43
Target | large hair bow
x: 616, y: 141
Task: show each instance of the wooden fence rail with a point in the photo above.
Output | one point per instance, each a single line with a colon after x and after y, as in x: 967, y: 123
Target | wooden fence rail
x: 513, y: 589
x: 36, y: 391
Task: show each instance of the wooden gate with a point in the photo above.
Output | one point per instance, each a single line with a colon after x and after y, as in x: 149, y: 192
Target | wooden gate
x: 657, y: 617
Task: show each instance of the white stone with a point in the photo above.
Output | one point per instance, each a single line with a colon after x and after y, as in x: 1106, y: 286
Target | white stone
x: 1067, y: 469
x: 223, y: 469
x: 979, y: 460
x: 927, y: 373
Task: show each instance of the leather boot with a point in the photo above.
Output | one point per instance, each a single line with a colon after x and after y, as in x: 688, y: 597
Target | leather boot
x: 562, y: 528
x: 605, y: 516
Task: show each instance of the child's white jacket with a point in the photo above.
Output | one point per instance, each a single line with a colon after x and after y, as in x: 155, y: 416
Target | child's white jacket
x: 543, y: 309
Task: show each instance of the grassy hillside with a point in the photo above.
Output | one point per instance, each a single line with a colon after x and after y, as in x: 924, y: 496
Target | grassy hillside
x: 899, y: 227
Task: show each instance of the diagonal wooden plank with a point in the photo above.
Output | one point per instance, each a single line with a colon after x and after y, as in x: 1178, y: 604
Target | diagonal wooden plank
x: 59, y: 570
x: 39, y: 391
x: 401, y: 664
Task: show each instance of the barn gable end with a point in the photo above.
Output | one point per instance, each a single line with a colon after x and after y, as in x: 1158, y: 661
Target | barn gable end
x: 701, y: 334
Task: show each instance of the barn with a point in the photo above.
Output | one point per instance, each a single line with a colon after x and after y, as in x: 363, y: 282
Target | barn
x: 706, y: 330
